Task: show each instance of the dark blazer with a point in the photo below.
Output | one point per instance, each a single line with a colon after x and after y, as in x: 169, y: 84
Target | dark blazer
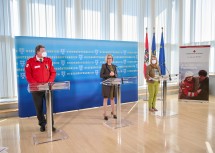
x: 105, y: 74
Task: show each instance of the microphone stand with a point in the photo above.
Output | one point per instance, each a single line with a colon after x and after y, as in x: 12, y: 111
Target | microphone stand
x: 170, y: 79
x: 164, y: 112
x: 119, y: 73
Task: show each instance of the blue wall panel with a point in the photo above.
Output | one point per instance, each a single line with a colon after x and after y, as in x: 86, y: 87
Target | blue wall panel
x: 78, y: 61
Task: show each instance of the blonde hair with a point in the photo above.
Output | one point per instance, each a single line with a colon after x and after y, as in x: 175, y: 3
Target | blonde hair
x: 106, y: 57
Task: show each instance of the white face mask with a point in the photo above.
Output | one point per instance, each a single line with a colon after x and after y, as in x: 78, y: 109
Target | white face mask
x: 154, y: 61
x: 44, y: 54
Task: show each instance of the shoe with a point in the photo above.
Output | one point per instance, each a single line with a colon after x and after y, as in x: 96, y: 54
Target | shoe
x: 105, y: 118
x: 155, y: 109
x: 42, y: 128
x: 53, y: 129
x: 151, y: 110
x: 114, y: 116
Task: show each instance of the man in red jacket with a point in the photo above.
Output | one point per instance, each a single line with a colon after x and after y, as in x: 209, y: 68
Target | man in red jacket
x: 40, y: 69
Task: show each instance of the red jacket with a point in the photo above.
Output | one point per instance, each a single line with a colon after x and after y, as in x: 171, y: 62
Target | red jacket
x: 188, y: 88
x: 39, y: 72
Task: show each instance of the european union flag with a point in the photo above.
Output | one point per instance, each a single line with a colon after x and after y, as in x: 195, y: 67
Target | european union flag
x: 153, y: 45
x: 162, y: 57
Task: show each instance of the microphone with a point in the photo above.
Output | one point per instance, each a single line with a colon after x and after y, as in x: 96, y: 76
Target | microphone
x: 170, y: 79
x: 118, y: 72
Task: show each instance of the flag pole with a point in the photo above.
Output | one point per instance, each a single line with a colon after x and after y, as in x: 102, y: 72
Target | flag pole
x: 161, y: 85
x: 146, y: 93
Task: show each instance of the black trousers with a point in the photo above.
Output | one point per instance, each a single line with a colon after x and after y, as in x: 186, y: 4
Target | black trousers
x: 39, y: 98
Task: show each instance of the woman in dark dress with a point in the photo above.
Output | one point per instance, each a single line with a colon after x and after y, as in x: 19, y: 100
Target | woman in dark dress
x: 108, y: 70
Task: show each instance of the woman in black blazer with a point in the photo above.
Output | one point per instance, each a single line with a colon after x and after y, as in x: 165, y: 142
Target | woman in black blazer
x: 108, y: 70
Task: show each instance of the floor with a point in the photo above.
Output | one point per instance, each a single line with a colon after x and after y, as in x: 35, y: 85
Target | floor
x: 186, y: 132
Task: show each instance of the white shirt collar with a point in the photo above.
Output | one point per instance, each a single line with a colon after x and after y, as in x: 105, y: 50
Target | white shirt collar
x: 38, y: 59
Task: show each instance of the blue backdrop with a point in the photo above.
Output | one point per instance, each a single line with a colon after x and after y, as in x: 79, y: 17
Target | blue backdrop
x: 78, y: 61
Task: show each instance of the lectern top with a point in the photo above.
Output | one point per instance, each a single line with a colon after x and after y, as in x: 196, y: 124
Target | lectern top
x: 118, y: 81
x: 65, y: 85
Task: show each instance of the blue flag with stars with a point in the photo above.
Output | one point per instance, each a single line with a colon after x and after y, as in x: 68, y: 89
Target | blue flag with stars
x: 162, y: 57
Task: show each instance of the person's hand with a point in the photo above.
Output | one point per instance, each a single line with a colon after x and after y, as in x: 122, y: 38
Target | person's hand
x: 112, y: 73
x: 150, y: 79
x: 182, y: 83
x: 199, y: 90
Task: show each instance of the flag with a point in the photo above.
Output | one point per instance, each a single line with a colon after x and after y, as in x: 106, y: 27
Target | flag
x: 162, y: 57
x: 146, y: 56
x: 153, y: 45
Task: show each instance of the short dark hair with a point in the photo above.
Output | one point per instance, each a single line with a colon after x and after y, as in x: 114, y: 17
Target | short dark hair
x: 38, y: 48
x: 203, y: 73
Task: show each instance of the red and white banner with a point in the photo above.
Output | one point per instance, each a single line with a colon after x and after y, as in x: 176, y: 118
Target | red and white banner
x: 194, y: 72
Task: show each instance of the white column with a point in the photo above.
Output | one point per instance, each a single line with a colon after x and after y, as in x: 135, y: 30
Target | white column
x: 105, y: 20
x: 23, y: 18
x: 151, y: 17
x: 192, y: 21
x: 167, y: 30
x: 180, y: 22
x: 118, y: 19
x: 142, y: 5
x: 77, y: 17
